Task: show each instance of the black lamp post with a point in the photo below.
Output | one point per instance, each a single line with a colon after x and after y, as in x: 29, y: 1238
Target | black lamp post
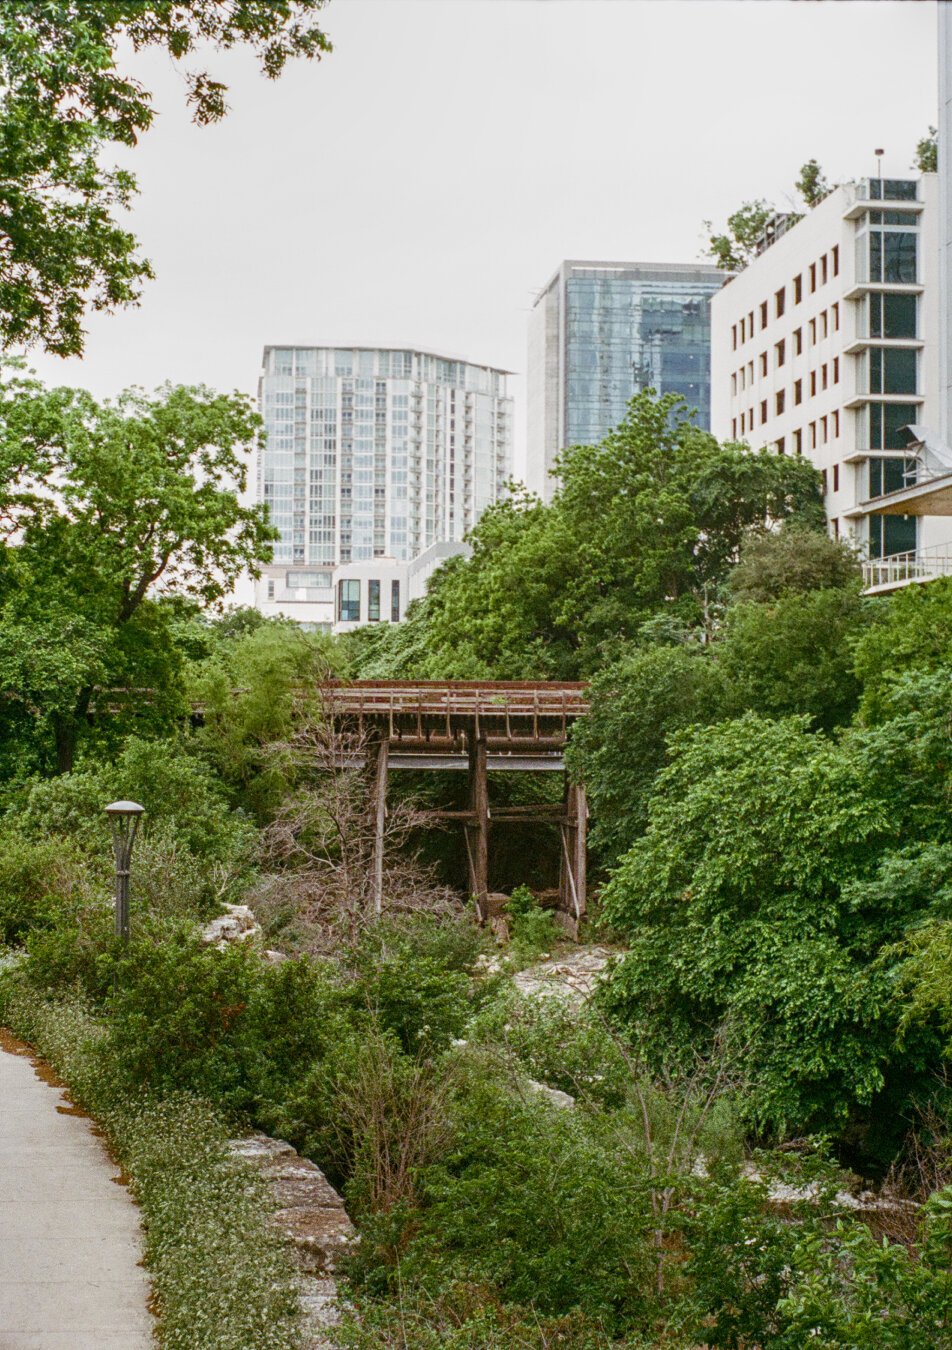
x: 124, y: 819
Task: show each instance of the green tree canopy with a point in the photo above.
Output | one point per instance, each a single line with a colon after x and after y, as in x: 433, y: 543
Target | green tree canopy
x: 63, y: 100
x: 108, y: 508
x: 646, y: 523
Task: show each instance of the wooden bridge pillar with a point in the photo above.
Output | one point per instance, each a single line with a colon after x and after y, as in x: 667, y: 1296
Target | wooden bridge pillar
x: 477, y: 831
x: 382, y: 756
x: 574, y: 831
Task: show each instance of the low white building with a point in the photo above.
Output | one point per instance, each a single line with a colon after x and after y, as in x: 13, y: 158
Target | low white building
x: 338, y: 599
x: 827, y: 345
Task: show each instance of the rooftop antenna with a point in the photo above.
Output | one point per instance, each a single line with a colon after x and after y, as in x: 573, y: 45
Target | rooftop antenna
x: 879, y: 163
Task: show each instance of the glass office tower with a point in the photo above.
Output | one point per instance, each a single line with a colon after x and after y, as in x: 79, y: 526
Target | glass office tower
x: 601, y: 332
x: 377, y: 453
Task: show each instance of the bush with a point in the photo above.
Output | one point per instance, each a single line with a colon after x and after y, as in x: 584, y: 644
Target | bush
x: 533, y: 930
x: 40, y: 880
x: 415, y: 974
x: 222, y: 1279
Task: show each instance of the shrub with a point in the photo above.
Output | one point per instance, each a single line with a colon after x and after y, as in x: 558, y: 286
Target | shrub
x: 40, y: 879
x: 533, y: 930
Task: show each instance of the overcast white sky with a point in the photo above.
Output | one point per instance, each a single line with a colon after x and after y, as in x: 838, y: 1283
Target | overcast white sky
x: 419, y: 184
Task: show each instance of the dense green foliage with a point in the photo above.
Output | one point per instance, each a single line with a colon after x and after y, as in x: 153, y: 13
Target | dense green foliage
x: 767, y: 762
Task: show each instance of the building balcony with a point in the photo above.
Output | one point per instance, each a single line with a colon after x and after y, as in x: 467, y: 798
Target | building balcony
x: 881, y: 575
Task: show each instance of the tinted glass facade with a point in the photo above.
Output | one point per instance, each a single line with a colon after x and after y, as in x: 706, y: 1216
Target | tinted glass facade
x: 626, y: 331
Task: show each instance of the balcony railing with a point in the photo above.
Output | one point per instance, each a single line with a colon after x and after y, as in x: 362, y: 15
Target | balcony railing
x: 886, y: 574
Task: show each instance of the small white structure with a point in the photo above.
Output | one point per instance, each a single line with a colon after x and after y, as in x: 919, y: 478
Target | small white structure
x: 339, y: 599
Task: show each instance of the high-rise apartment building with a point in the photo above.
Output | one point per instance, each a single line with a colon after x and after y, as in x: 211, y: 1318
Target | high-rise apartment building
x: 602, y: 331
x: 827, y: 345
x: 372, y: 455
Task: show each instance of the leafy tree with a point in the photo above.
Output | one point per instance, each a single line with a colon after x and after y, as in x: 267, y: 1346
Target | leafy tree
x: 732, y: 902
x: 778, y: 562
x: 621, y: 746
x: 736, y: 246
x: 646, y: 523
x: 927, y: 153
x: 106, y: 506
x: 812, y: 185
x: 64, y: 100
x: 794, y: 655
x: 913, y: 632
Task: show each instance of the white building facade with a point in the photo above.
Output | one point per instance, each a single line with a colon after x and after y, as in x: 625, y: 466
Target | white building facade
x: 372, y: 456
x: 827, y: 345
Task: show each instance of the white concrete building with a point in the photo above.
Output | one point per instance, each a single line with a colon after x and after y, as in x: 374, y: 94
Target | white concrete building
x: 827, y: 345
x: 338, y: 599
x: 372, y: 456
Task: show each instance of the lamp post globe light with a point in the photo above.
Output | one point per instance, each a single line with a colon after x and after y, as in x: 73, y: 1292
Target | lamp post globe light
x: 124, y: 820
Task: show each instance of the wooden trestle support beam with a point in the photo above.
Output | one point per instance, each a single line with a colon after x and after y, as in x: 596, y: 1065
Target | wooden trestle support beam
x: 478, y: 727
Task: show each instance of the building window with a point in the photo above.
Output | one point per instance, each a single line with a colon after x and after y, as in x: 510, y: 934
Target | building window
x: 893, y: 256
x: 780, y: 301
x: 836, y: 478
x: 893, y: 316
x: 835, y: 527
x: 270, y: 590
x: 348, y: 601
x: 394, y: 602
x: 798, y: 442
x: 763, y: 363
x: 797, y: 289
x: 836, y: 260
x: 743, y: 330
x: 750, y: 324
x: 884, y: 423
x: 813, y: 332
x: 836, y: 317
x: 824, y: 324
x: 813, y: 384
x: 373, y: 601
x: 733, y: 428
x: 763, y: 412
x: 743, y: 423
x: 836, y: 370
x: 780, y: 447
x: 750, y: 372
x: 780, y: 401
x: 734, y: 383
x: 893, y: 370
x: 780, y: 351
x: 823, y: 271
x: 812, y: 277
x: 823, y: 428
x: 734, y: 336
x: 813, y: 442
x: 798, y: 341
x: 763, y: 314
x: 824, y: 482
x: 798, y: 391
x: 824, y: 373
x: 889, y: 535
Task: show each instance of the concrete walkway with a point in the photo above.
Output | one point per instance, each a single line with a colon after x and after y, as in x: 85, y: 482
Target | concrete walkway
x: 69, y: 1233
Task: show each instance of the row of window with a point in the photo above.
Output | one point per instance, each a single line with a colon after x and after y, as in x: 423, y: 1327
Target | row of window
x: 828, y: 374
x: 818, y: 433
x: 348, y: 601
x: 818, y: 274
x: 818, y: 328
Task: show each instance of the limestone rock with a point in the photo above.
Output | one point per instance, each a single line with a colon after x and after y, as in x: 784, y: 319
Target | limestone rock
x: 237, y: 924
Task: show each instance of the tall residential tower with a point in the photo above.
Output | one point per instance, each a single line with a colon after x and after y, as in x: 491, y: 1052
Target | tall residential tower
x: 373, y: 456
x: 600, y: 332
